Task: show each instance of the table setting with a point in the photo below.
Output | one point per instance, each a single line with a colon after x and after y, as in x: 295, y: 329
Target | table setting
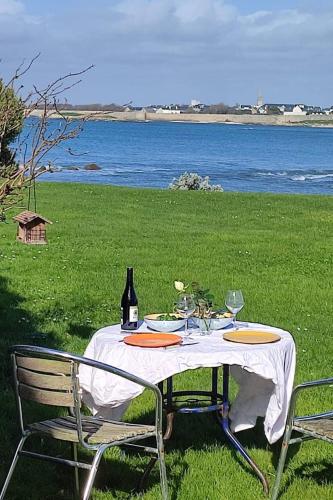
x: 264, y: 371
x: 193, y: 335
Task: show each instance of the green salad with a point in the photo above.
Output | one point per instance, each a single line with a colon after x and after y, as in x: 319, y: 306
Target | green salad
x: 167, y: 317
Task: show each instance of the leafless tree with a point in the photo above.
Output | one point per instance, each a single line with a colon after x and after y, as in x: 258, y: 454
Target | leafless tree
x: 39, y: 138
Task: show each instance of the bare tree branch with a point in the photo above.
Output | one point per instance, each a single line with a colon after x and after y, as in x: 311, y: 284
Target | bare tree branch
x: 21, y: 70
x: 33, y: 146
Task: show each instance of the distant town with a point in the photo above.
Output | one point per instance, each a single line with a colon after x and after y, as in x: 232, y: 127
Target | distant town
x: 261, y: 113
x: 195, y: 106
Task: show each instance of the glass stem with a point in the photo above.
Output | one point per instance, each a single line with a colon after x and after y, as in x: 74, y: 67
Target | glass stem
x: 186, y: 327
x: 234, y: 321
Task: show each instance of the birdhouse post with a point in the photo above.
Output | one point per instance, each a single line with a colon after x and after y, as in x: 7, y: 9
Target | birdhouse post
x: 31, y: 228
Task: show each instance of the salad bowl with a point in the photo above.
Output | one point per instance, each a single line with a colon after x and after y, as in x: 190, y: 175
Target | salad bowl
x: 164, y: 322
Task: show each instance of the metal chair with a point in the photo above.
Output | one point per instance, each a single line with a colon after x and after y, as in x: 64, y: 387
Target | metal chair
x: 50, y: 377
x: 317, y: 426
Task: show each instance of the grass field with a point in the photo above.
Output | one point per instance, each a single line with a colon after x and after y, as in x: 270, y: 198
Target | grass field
x: 276, y: 248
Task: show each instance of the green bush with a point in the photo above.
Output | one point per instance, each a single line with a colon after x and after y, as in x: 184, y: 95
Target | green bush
x: 11, y: 123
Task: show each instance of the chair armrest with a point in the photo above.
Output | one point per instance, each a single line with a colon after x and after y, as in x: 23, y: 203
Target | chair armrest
x: 117, y: 371
x: 298, y: 389
x: 313, y: 383
x: 315, y: 416
x: 133, y: 378
x: 62, y: 355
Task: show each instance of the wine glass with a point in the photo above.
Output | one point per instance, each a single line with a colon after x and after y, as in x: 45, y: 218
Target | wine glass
x: 185, y: 307
x: 234, y: 302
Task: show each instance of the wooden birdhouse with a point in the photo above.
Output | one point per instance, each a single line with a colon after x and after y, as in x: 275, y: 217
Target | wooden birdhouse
x: 31, y: 228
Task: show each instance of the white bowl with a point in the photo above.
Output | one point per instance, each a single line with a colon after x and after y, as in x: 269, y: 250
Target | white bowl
x: 215, y: 323
x: 162, y: 325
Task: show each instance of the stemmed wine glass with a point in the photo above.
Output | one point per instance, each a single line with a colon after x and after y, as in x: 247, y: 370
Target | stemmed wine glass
x: 185, y: 307
x: 234, y: 302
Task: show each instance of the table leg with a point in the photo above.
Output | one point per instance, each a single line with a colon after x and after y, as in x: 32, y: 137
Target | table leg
x: 222, y: 415
x: 170, y: 411
x: 170, y: 415
x: 214, y: 386
x: 224, y: 422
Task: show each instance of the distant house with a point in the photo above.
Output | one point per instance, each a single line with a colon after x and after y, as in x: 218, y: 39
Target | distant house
x: 170, y: 110
x: 246, y: 109
x: 271, y: 109
x: 196, y: 106
x: 313, y: 110
x: 277, y: 107
x: 298, y: 110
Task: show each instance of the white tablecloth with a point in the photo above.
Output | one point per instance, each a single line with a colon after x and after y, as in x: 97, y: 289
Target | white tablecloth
x: 264, y: 373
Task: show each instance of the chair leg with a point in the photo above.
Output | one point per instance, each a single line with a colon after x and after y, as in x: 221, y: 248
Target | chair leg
x: 12, y: 467
x: 282, y: 459
x: 92, y: 473
x: 76, y: 471
x: 161, y: 461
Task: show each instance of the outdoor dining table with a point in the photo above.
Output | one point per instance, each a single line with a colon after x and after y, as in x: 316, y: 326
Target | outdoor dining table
x: 264, y: 374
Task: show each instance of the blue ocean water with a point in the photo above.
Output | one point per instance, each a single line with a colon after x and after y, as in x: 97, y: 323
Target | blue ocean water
x: 239, y: 157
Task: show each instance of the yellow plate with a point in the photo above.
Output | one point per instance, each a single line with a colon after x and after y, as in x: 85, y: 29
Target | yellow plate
x: 251, y: 337
x: 153, y: 340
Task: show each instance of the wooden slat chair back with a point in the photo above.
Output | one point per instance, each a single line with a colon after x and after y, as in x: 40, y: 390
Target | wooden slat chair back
x: 51, y: 377
x: 45, y: 381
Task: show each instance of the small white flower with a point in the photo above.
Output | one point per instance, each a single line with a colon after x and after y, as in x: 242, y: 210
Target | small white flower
x: 179, y: 286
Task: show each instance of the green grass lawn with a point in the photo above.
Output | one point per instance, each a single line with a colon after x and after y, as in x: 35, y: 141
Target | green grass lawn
x: 276, y: 248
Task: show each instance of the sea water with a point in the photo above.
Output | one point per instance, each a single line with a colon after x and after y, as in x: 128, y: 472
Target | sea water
x: 283, y: 159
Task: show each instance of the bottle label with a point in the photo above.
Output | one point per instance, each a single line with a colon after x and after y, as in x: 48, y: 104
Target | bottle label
x: 133, y: 314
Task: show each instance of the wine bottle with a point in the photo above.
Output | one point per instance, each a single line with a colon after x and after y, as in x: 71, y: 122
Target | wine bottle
x: 129, y: 304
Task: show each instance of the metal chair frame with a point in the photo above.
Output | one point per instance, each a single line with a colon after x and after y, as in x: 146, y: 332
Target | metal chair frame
x: 295, y: 424
x: 75, y: 411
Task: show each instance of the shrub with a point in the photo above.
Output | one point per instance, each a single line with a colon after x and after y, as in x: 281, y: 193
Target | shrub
x: 193, y: 182
x: 11, y: 123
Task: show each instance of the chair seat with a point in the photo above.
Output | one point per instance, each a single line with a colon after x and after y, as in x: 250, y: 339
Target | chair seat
x: 322, y: 428
x: 94, y: 430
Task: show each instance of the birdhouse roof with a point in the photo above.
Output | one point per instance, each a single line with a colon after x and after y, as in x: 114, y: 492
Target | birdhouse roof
x: 27, y: 216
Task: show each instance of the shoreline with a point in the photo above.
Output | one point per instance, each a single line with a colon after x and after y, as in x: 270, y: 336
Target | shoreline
x: 318, y: 121
x: 88, y: 182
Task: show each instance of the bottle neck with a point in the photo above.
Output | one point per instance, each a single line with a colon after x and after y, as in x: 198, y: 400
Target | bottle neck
x: 129, y: 281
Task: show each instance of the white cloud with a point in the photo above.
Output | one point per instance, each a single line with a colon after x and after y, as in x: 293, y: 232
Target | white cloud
x: 187, y: 41
x: 265, y: 21
x: 10, y: 7
x: 144, y: 26
x: 190, y: 11
x: 253, y: 18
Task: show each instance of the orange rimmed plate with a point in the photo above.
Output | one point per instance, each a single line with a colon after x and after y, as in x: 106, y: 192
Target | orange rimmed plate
x: 251, y: 337
x: 152, y: 340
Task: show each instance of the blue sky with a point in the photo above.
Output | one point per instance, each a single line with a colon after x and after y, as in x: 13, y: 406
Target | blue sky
x: 163, y: 51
